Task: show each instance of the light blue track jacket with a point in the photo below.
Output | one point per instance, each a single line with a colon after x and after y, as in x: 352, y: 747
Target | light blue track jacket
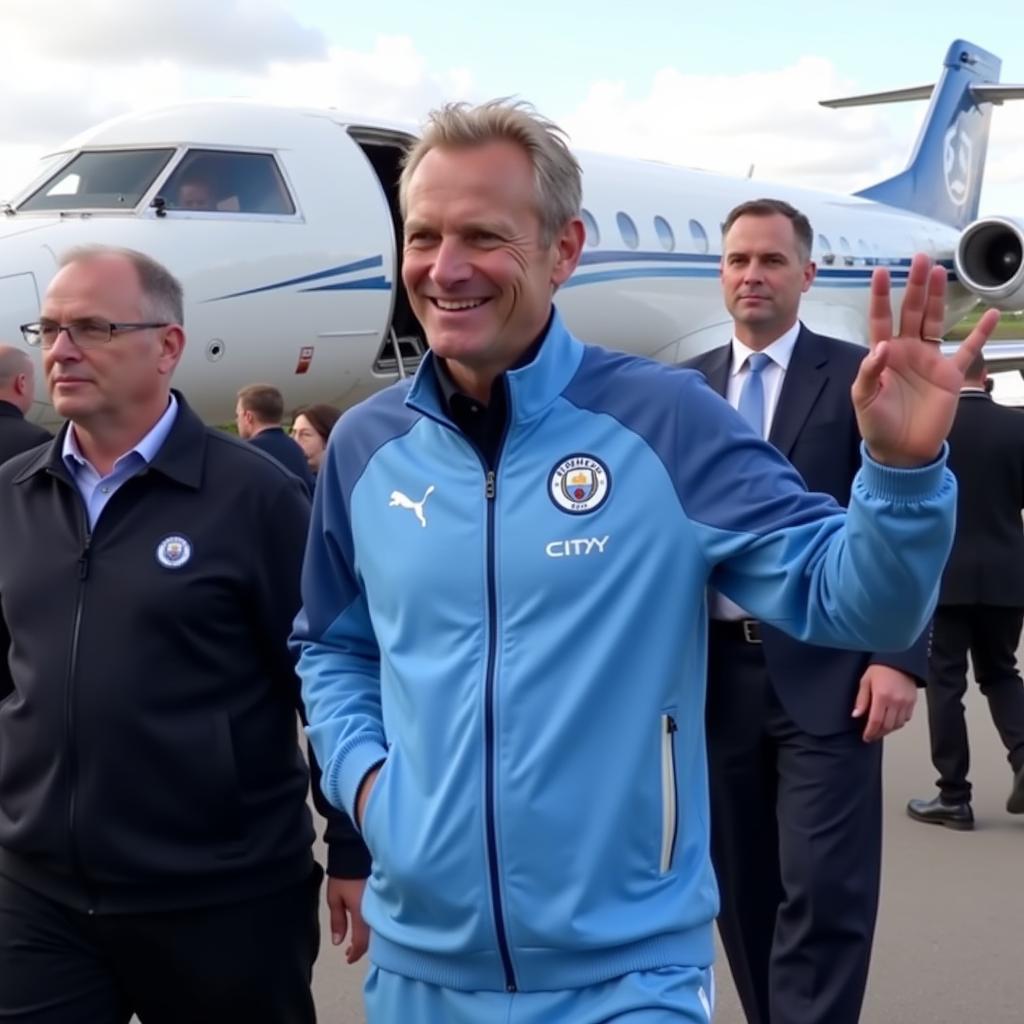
x: 525, y: 652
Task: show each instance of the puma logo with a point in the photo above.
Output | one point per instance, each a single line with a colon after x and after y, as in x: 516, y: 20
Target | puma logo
x: 399, y: 500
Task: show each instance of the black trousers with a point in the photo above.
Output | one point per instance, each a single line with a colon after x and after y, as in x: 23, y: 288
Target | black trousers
x: 245, y: 963
x: 796, y: 840
x: 991, y: 634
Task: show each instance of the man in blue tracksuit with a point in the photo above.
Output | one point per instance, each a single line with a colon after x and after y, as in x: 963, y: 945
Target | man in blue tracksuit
x: 504, y: 628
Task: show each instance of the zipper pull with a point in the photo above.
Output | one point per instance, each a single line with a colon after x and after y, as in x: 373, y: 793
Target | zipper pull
x: 83, y: 558
x: 670, y: 725
x: 489, y: 487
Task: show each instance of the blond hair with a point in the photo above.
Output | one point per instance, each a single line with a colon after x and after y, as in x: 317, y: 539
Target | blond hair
x: 556, y: 172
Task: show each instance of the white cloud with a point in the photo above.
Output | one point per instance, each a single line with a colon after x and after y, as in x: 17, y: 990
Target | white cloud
x: 56, y: 98
x: 238, y: 34
x: 773, y: 120
x: 728, y: 122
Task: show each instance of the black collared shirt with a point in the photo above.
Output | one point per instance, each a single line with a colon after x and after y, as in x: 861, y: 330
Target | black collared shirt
x: 484, y: 425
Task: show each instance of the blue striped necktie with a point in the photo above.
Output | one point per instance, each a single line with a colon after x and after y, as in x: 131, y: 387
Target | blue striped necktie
x: 751, y: 406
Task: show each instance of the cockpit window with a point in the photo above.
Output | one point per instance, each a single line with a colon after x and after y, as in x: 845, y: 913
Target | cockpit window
x: 100, y: 180
x: 211, y: 181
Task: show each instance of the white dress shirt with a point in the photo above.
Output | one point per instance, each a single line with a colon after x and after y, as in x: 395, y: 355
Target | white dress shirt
x: 780, y: 351
x: 97, y: 490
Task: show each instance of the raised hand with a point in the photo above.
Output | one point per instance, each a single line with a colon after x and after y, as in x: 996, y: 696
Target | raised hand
x: 906, y: 392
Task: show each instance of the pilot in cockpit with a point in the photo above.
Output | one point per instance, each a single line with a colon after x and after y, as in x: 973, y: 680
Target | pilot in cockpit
x: 196, y: 194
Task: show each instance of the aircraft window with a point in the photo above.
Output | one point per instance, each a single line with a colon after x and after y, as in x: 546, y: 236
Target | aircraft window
x: 844, y: 245
x: 699, y: 236
x: 862, y: 246
x: 824, y: 244
x: 627, y: 229
x: 593, y: 232
x: 100, y: 180
x: 665, y: 234
x: 211, y: 181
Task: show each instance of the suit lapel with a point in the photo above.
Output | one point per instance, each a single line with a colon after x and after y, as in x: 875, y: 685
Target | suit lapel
x: 805, y: 378
x: 719, y: 361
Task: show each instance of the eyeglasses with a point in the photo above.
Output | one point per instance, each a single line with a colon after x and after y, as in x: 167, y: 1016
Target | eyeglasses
x: 88, y: 333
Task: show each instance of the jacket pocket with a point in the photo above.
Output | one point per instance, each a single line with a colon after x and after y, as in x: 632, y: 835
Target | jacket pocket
x: 669, y: 792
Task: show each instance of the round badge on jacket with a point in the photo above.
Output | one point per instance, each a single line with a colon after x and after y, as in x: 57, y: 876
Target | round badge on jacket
x: 579, y: 484
x: 174, y: 551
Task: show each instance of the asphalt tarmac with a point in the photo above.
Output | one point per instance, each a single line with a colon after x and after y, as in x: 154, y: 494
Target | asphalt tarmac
x: 950, y: 942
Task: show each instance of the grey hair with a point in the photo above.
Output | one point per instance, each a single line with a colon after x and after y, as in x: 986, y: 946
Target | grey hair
x: 557, y: 173
x: 161, y: 290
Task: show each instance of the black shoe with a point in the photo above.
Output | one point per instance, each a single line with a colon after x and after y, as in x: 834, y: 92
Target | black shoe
x: 1015, y: 801
x: 935, y: 812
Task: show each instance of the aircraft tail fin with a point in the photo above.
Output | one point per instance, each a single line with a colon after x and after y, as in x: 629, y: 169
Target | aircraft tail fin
x: 944, y: 175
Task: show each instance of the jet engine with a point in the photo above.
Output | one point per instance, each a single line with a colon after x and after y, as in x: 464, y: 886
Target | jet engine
x: 989, y: 261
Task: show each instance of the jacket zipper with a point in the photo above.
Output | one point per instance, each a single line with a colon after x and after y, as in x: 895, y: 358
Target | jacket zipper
x: 490, y: 492
x: 669, y: 793
x: 69, y: 716
x: 490, y: 813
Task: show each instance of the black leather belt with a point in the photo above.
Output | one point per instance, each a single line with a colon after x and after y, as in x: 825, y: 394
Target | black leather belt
x: 747, y: 631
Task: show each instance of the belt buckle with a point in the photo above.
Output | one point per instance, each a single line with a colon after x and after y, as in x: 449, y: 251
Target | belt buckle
x: 751, y: 631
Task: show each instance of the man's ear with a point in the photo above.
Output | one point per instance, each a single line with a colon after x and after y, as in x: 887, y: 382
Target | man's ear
x: 810, y: 270
x: 568, y: 247
x: 172, y: 345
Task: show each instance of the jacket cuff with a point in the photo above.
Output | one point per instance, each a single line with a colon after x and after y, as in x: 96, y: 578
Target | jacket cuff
x: 903, y: 486
x: 343, y: 785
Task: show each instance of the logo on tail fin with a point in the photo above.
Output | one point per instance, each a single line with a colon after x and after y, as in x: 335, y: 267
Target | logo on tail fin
x: 957, y: 161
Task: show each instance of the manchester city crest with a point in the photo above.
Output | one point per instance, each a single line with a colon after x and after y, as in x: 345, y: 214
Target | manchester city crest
x: 173, y: 552
x: 579, y: 484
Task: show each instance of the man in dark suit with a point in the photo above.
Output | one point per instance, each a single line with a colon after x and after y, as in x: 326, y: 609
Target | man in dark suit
x: 17, y: 386
x: 981, y: 602
x: 258, y: 415
x: 795, y: 779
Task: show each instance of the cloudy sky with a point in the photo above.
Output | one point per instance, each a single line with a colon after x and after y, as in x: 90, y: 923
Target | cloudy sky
x: 719, y: 86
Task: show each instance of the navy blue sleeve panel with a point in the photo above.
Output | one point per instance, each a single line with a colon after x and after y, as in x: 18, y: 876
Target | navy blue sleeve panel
x: 692, y: 430
x: 339, y: 660
x: 863, y: 580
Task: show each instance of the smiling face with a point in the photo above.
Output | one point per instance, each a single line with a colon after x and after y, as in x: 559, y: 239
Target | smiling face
x: 764, y: 273
x: 479, y: 275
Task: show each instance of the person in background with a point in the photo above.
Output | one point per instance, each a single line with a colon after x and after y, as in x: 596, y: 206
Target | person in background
x: 981, y: 602
x: 259, y: 412
x: 311, y: 428
x: 17, y: 389
x: 155, y: 841
x: 794, y: 767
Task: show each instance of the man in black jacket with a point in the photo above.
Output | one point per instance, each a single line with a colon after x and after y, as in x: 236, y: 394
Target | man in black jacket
x: 795, y: 779
x: 258, y: 416
x: 17, y: 386
x: 981, y: 602
x: 155, y: 843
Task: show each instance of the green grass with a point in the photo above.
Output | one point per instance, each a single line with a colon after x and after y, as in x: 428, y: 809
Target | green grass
x: 1011, y: 325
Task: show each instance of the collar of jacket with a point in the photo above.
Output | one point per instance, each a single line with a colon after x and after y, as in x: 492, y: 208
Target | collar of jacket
x: 180, y: 457
x: 531, y: 388
x: 10, y: 409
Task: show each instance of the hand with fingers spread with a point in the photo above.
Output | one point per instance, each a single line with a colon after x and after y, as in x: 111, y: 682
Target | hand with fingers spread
x: 906, y: 392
